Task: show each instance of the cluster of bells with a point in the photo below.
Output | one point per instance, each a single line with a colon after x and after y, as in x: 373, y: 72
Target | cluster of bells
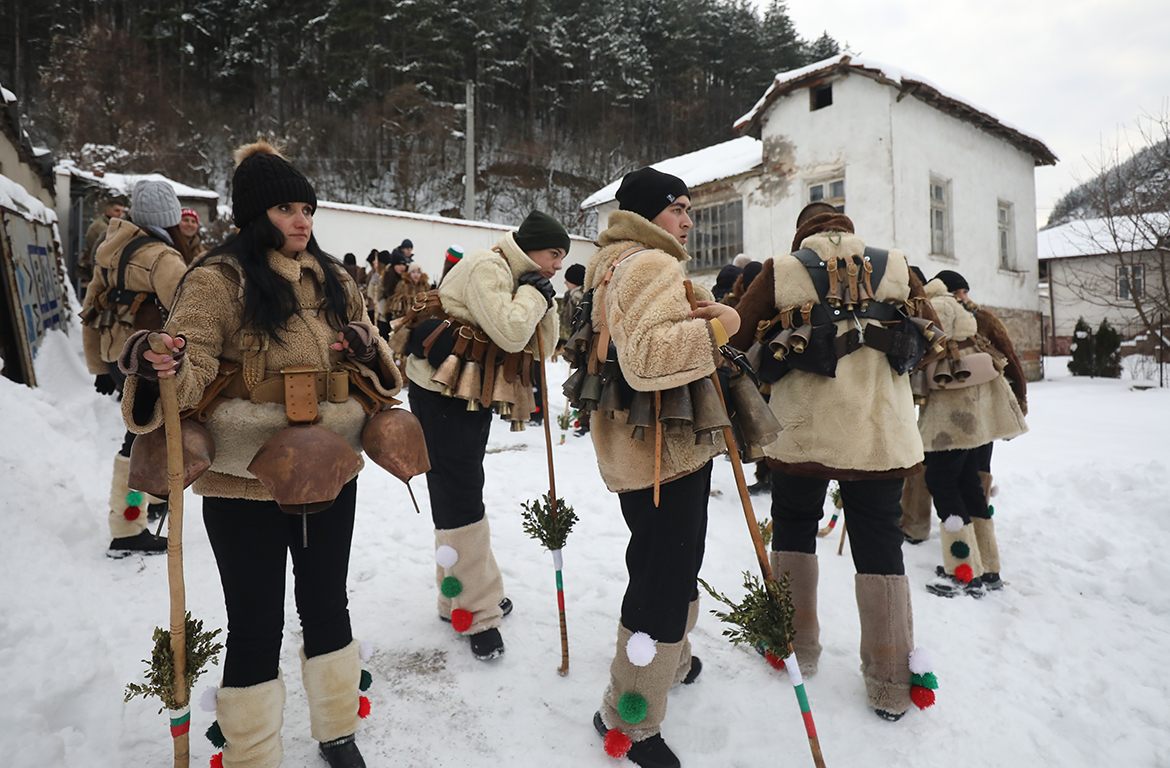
x: 692, y: 408
x: 513, y: 400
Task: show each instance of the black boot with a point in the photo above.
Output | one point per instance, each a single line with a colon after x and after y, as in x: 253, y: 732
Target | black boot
x: 693, y: 672
x: 487, y: 645
x: 155, y: 511
x: 144, y: 543
x: 650, y: 753
x: 342, y: 753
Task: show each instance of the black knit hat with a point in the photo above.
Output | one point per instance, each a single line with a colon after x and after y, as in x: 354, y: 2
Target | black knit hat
x: 540, y: 231
x: 648, y: 192
x: 953, y: 280
x: 398, y: 257
x: 575, y: 274
x: 406, y: 244
x: 264, y: 178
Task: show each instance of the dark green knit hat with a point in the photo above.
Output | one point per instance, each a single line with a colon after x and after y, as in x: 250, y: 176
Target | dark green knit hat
x: 540, y: 231
x: 264, y: 178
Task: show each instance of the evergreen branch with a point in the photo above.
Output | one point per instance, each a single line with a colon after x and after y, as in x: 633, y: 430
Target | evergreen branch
x: 763, y: 618
x: 160, y: 670
x: 549, y: 526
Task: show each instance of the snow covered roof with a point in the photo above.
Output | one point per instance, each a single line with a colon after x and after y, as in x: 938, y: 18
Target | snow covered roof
x: 1093, y: 237
x: 123, y: 183
x: 39, y: 160
x: 14, y: 197
x: 425, y: 217
x: 909, y: 84
x: 719, y: 161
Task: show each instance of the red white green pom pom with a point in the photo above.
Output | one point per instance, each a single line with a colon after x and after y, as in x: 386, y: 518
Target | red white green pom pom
x: 217, y: 760
x: 922, y: 697
x: 929, y: 680
x: 954, y: 523
x: 461, y: 620
x: 964, y: 573
x: 451, y: 587
x: 365, y: 650
x: 134, y: 499
x: 366, y: 681
x: 363, y: 707
x: 773, y: 660
x: 640, y: 649
x: 131, y: 513
x: 920, y: 661
x: 446, y: 556
x: 215, y: 735
x: 617, y: 744
x: 632, y: 708
x: 960, y: 550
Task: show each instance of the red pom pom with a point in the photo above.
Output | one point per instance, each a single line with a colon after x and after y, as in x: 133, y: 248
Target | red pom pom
x: 773, y: 660
x: 922, y: 697
x: 363, y: 707
x: 217, y: 760
x: 964, y: 573
x: 132, y: 513
x: 617, y: 744
x: 461, y: 620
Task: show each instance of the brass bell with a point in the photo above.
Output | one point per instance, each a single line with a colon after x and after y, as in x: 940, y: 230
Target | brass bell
x: 611, y: 397
x: 641, y: 414
x: 447, y: 375
x: 572, y: 386
x: 517, y: 426
x: 781, y: 344
x: 942, y: 373
x: 919, y: 386
x: 591, y: 392
x: 677, y: 413
x: 579, y: 341
x: 756, y: 421
x: 755, y: 355
x: 523, y: 401
x: 960, y: 370
x: 799, y: 339
x: 502, y: 394
x: 709, y: 414
x: 469, y: 385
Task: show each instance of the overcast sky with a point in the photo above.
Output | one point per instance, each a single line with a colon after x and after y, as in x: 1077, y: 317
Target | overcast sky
x: 1073, y: 73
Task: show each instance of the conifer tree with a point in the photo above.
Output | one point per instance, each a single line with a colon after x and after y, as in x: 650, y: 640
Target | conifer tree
x: 1082, y: 363
x: 1107, y: 352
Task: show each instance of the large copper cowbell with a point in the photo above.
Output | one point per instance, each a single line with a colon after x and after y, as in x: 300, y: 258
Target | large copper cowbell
x: 304, y: 467
x: 148, y: 458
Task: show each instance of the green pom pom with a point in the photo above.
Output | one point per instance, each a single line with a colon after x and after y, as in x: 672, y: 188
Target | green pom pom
x: 215, y: 735
x: 632, y: 708
x: 367, y: 681
x: 960, y: 550
x: 926, y: 681
x: 134, y: 499
x: 451, y: 587
x: 990, y: 511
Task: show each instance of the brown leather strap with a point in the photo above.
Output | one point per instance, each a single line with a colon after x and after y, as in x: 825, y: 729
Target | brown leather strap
x: 511, y: 366
x: 489, y: 375
x: 603, y: 332
x: 300, y: 394
x: 213, y: 395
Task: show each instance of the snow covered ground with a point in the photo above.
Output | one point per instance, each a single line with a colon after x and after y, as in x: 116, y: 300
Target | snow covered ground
x: 1067, y: 666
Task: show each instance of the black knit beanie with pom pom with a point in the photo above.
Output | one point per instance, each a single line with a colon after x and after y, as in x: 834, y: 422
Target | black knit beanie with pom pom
x: 264, y: 178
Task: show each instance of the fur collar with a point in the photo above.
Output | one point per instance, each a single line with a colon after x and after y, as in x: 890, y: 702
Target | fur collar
x: 935, y: 288
x: 290, y: 269
x: 518, y: 261
x: 627, y: 226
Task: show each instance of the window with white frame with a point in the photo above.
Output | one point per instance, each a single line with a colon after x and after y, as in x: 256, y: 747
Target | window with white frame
x: 940, y: 217
x: 717, y: 235
x: 1130, y: 281
x: 1007, y: 241
x: 831, y: 191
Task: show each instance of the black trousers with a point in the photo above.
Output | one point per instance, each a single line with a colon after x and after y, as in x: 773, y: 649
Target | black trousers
x: 250, y: 540
x: 456, y: 441
x: 665, y: 554
x: 872, y: 510
x: 952, y: 477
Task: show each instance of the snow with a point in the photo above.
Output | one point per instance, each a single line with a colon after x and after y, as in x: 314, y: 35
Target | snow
x: 1065, y: 666
x: 124, y: 182
x: 719, y: 161
x: 1091, y: 237
x: 7, y: 95
x: 14, y: 197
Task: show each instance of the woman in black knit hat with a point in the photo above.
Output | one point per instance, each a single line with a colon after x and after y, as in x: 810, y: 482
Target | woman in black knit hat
x: 269, y: 300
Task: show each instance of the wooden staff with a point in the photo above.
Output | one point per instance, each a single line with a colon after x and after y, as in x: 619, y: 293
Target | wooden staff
x: 745, y: 500
x: 170, y: 403
x: 841, y: 546
x: 552, y: 498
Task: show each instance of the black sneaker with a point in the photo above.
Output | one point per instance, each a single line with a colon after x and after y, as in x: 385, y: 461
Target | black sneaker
x: 342, y: 753
x: 760, y: 486
x: 991, y: 581
x: 651, y: 753
x: 487, y: 645
x: 910, y: 539
x: 505, y: 606
x: 947, y: 585
x: 693, y: 673
x: 893, y: 717
x: 144, y: 543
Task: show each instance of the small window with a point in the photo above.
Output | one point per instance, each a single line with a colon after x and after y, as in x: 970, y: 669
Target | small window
x: 940, y: 217
x: 831, y: 191
x: 1007, y: 256
x: 717, y: 235
x: 820, y: 96
x: 1130, y: 281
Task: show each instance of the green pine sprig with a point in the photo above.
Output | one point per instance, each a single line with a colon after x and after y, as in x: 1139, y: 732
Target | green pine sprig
x: 565, y: 420
x: 765, y: 527
x: 160, y: 670
x: 764, y: 617
x: 549, y: 526
x: 835, y: 495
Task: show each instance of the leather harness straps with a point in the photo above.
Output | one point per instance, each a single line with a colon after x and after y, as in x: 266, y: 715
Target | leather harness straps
x: 602, y: 343
x: 825, y: 278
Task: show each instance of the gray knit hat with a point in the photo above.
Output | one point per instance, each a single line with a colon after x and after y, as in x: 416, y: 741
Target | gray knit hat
x: 154, y: 204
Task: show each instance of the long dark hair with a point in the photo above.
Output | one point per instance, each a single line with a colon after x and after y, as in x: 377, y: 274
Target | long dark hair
x: 270, y: 302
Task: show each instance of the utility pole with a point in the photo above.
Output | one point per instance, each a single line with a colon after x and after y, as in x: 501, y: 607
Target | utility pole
x: 469, y: 155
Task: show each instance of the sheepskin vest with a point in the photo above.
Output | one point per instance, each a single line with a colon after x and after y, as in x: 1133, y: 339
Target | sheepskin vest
x: 209, y: 313
x: 484, y: 289
x: 658, y: 345
x: 956, y: 419
x: 860, y: 423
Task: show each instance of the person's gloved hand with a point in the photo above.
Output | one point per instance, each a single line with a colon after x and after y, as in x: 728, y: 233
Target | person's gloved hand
x: 359, y: 340
x: 104, y: 384
x: 540, y: 283
x: 137, y: 359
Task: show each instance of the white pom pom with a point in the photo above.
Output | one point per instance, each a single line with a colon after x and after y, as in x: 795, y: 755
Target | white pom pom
x: 920, y: 661
x: 209, y: 699
x: 365, y: 650
x: 640, y: 649
x: 446, y: 556
x: 954, y: 524
x: 994, y: 491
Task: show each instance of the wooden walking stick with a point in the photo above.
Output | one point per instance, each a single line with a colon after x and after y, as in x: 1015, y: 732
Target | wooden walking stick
x: 841, y: 546
x: 745, y: 500
x: 550, y: 523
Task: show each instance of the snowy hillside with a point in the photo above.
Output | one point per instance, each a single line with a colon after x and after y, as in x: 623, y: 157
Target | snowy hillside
x: 1066, y: 666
